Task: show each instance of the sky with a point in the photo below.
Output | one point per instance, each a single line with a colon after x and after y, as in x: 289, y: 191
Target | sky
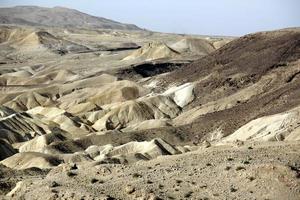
x: 205, y: 17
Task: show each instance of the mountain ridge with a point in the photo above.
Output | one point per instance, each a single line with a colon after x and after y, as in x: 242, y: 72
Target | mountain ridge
x: 58, y: 17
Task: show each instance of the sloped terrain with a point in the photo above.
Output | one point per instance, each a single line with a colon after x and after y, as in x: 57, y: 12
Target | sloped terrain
x: 244, y: 80
x: 119, y: 114
x: 24, y: 39
x: 9, y: 177
x: 153, y: 51
x: 214, y: 173
x: 57, y: 16
x: 194, y: 46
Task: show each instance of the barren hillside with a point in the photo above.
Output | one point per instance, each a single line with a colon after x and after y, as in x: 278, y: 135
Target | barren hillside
x: 110, y: 113
x: 57, y: 17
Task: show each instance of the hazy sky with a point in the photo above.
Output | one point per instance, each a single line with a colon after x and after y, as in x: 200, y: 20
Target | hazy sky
x: 211, y: 17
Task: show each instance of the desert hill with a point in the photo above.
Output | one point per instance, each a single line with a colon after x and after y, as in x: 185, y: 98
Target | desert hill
x: 197, y: 46
x: 57, y: 17
x: 153, y: 51
x: 26, y: 39
x: 251, y: 77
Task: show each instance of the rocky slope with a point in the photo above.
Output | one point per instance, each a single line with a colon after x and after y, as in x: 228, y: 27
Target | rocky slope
x: 57, y: 17
x: 150, y: 115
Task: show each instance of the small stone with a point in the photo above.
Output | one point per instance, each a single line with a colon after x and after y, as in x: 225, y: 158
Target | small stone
x: 246, y: 162
x: 74, y: 167
x: 54, y: 191
x: 136, y: 175
x: 188, y: 194
x: 71, y: 174
x: 94, y: 180
x: 54, y: 184
x: 240, y: 168
x: 233, y: 189
x: 149, y: 182
x: 129, y: 189
x: 54, y: 197
x: 206, y: 144
x: 170, y: 197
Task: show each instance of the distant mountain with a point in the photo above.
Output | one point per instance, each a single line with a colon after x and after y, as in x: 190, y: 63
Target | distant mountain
x: 57, y: 17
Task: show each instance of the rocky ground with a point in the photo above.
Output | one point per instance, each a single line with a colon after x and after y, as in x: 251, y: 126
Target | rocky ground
x: 93, y: 113
x: 249, y: 171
